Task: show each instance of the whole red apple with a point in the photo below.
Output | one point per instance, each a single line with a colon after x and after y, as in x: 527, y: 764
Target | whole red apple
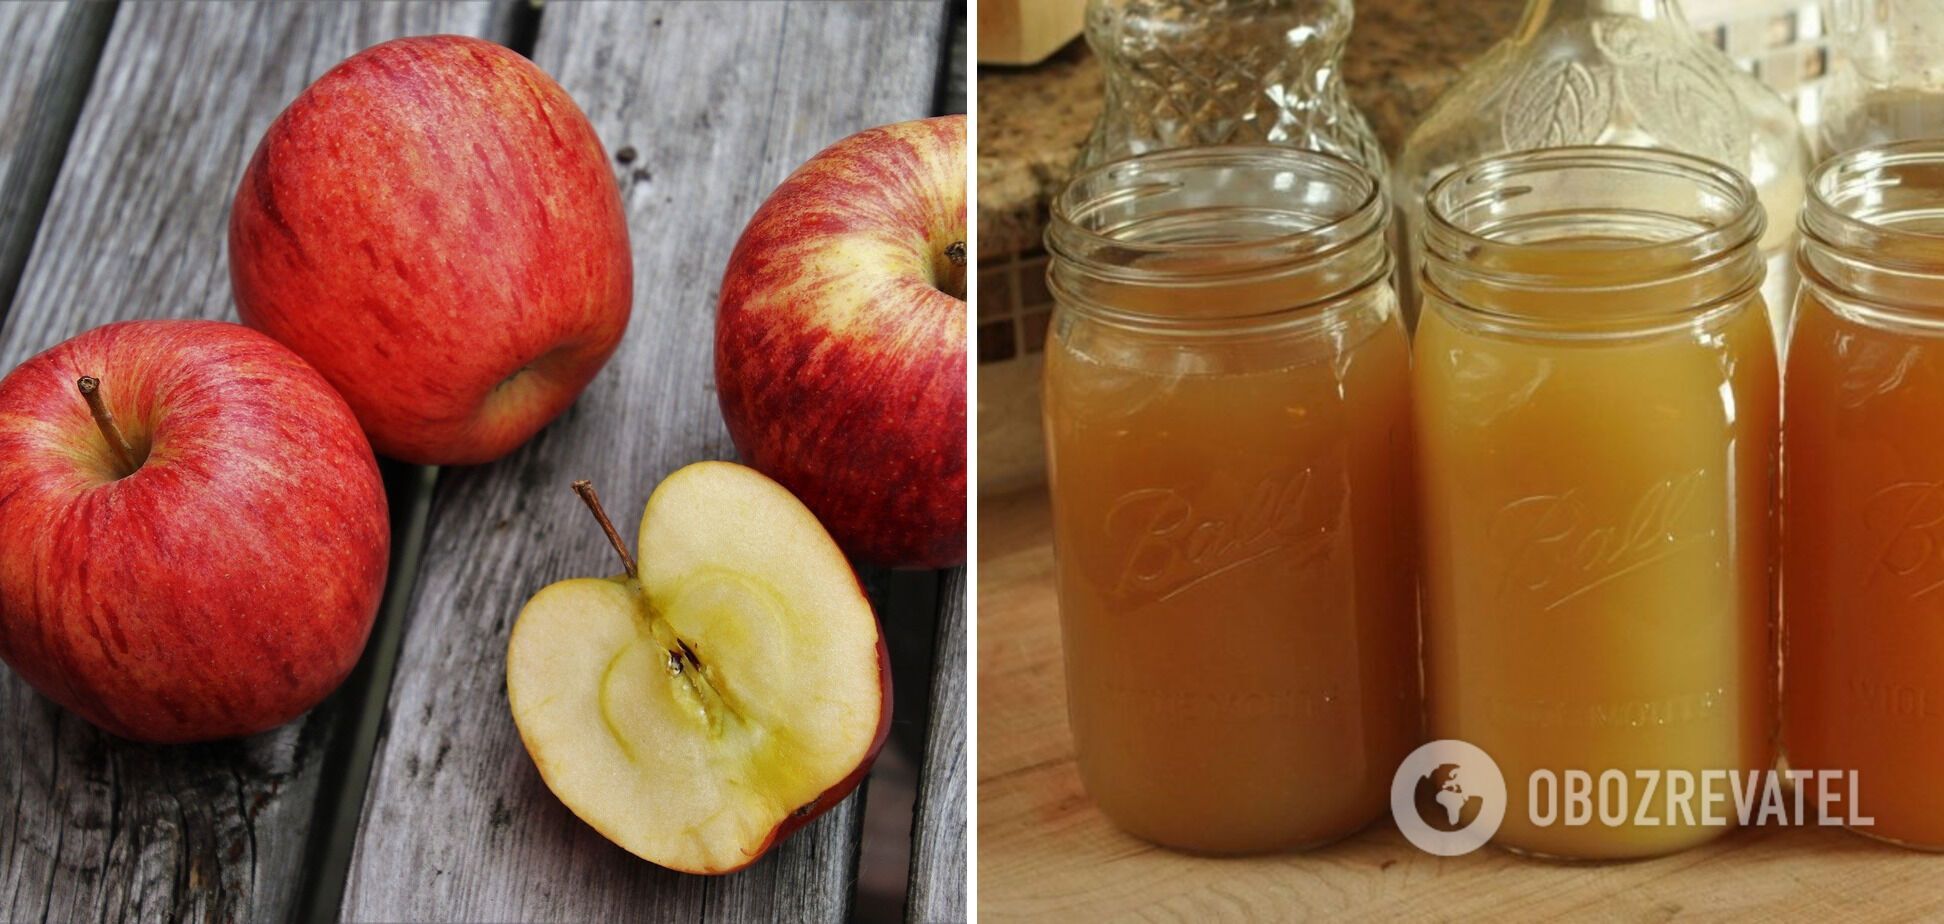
x: 434, y: 226
x: 204, y: 558
x: 840, y: 341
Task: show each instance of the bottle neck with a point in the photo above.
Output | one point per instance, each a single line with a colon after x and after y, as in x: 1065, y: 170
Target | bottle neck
x: 1541, y: 15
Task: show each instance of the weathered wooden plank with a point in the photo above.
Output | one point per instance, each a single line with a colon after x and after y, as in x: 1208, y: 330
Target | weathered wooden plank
x: 50, y: 49
x: 907, y: 606
x: 937, y: 890
x: 719, y: 102
x: 951, y: 85
x: 136, y: 224
x: 347, y: 767
x: 92, y: 827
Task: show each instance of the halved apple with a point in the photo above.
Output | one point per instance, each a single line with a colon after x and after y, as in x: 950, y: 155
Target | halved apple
x: 699, y: 708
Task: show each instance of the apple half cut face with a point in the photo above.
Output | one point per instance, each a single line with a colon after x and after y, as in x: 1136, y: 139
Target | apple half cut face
x: 730, y: 690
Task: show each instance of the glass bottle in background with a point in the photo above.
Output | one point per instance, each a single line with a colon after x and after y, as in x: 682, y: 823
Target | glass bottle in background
x: 1595, y: 395
x: 1613, y: 72
x: 1887, y: 80
x: 1228, y: 425
x: 1190, y: 73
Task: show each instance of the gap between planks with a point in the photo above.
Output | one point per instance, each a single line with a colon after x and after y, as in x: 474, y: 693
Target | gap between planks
x: 408, y: 490
x: 52, y: 110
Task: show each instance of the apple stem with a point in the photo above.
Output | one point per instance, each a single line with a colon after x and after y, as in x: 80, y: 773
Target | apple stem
x: 91, y: 390
x: 585, y: 489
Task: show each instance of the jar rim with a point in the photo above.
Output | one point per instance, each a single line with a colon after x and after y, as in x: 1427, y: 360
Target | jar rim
x: 1744, y: 225
x: 1479, y: 252
x: 1829, y: 220
x: 1864, y: 244
x: 1074, y: 238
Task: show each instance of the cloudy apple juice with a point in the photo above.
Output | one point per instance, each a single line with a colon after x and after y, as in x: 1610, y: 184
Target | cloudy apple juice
x: 1596, y: 399
x: 1227, y: 419
x: 1863, y: 518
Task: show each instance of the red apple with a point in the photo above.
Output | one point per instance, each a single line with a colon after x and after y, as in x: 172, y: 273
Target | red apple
x: 435, y: 227
x: 840, y: 341
x: 205, y: 557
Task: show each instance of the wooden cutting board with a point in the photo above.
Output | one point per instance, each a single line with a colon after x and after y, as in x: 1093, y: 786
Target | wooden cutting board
x: 1045, y: 853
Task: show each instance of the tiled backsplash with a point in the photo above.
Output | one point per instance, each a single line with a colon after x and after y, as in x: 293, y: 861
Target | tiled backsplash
x: 1783, y: 42
x: 1013, y: 306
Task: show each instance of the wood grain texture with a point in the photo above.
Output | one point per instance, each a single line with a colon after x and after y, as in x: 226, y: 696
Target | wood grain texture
x: 719, y: 102
x: 48, y: 52
x: 91, y: 827
x: 938, y: 889
x: 1046, y: 854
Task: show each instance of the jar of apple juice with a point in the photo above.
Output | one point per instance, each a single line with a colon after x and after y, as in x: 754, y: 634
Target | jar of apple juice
x: 1227, y: 417
x: 1596, y: 423
x: 1863, y: 523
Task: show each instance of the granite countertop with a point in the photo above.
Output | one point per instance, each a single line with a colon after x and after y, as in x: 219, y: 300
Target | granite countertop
x: 1402, y: 54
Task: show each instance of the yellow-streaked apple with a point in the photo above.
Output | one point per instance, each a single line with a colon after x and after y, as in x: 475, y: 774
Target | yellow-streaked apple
x: 702, y: 705
x: 840, y: 341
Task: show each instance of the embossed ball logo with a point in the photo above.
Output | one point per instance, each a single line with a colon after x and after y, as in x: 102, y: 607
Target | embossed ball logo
x: 1448, y: 797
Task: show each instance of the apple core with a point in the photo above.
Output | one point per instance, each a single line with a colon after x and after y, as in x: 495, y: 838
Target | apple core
x: 725, y: 689
x: 722, y: 600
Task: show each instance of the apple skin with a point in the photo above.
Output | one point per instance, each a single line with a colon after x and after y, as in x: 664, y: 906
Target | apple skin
x: 434, y: 226
x: 230, y: 582
x: 844, y: 787
x: 841, y: 341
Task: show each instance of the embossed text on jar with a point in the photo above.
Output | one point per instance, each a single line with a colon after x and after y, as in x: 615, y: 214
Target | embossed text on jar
x: 1595, y: 395
x: 1227, y: 428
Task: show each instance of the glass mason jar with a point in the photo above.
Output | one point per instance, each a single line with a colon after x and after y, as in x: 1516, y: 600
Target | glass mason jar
x: 1193, y: 73
x: 1887, y: 80
x: 1864, y: 504
x: 1595, y: 388
x: 1227, y: 421
x: 1614, y: 72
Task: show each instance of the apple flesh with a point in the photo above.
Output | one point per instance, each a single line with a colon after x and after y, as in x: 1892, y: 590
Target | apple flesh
x: 434, y: 225
x: 700, y: 708
x: 219, y: 579
x: 840, y: 341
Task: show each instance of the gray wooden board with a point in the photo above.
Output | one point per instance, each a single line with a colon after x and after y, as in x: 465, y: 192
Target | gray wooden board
x: 92, y: 827
x: 720, y: 101
x: 937, y: 891
x: 48, y: 52
x: 30, y: 37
